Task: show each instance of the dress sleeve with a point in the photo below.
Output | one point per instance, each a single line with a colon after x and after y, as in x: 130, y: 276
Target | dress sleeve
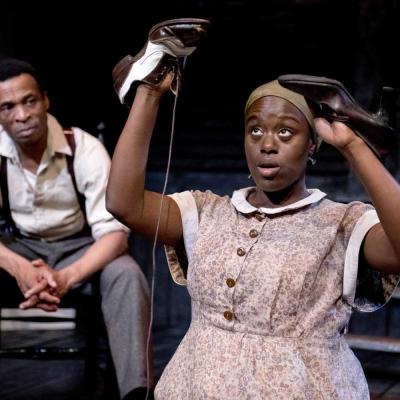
x: 364, y: 289
x: 178, y: 258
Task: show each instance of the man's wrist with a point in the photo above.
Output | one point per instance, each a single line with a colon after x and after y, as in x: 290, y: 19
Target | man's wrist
x: 72, y: 275
x: 9, y: 263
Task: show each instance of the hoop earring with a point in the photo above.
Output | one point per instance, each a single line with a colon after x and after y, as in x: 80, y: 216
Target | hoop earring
x: 312, y: 160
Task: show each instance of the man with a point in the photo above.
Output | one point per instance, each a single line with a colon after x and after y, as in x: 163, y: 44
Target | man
x: 53, y: 185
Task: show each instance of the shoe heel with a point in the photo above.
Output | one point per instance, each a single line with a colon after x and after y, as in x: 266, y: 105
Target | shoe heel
x: 121, y: 70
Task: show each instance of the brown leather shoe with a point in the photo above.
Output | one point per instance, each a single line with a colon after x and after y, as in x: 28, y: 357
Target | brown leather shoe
x: 169, y: 41
x: 336, y: 104
x: 150, y: 68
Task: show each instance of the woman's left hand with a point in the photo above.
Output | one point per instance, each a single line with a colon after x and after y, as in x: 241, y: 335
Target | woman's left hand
x: 336, y: 133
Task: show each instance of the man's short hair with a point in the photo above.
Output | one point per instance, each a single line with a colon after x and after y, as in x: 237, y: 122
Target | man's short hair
x: 12, y: 67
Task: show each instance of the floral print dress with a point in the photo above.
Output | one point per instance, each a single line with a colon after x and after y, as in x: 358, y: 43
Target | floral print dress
x: 272, y: 292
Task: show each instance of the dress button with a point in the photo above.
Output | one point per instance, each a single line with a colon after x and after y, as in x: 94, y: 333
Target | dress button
x: 241, y: 252
x: 253, y: 233
x: 228, y: 315
x: 230, y: 282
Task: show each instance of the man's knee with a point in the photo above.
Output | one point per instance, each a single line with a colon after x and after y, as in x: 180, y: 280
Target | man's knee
x: 123, y: 272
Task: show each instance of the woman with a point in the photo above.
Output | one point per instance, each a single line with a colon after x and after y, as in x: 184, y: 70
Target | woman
x: 272, y: 271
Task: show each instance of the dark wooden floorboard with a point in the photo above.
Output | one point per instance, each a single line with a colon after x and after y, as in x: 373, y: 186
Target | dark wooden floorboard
x: 39, y: 379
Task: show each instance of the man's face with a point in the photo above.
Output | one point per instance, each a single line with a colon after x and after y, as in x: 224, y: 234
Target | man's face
x: 23, y: 110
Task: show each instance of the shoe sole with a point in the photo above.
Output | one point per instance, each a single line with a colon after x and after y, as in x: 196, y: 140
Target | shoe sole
x: 181, y: 35
x: 322, y: 81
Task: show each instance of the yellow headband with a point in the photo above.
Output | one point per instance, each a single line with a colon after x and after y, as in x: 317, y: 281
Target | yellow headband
x: 273, y: 88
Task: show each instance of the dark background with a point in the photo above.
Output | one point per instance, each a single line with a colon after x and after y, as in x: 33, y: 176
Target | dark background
x: 76, y: 44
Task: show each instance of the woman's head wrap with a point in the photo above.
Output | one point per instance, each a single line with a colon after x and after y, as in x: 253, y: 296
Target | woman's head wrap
x: 273, y: 88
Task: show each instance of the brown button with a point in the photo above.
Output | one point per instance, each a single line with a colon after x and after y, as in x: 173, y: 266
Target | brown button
x: 241, y: 252
x: 228, y: 315
x: 230, y: 282
x: 253, y: 233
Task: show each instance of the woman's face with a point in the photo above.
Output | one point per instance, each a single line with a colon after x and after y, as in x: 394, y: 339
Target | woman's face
x: 277, y: 144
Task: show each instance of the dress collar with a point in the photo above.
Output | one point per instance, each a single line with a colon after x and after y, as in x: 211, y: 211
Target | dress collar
x: 239, y: 201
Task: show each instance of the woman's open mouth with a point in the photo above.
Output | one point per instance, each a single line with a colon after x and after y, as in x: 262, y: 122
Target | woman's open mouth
x: 268, y: 169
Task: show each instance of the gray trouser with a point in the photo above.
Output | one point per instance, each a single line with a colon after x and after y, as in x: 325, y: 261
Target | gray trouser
x: 124, y: 300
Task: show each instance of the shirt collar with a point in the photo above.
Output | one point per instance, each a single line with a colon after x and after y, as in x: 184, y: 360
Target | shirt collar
x: 7, y: 148
x: 239, y: 201
x: 56, y: 141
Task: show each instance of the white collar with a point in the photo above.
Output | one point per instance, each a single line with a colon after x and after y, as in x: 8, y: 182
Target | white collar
x: 239, y: 201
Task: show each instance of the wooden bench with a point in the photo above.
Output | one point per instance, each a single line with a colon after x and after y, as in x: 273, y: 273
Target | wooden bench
x: 376, y: 343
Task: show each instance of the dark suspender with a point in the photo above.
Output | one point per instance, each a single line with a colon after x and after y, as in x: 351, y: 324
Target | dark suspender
x: 6, y: 210
x: 69, y: 135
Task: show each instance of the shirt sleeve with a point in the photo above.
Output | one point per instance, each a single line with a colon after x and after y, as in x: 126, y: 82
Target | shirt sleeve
x: 92, y: 166
x: 366, y: 290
